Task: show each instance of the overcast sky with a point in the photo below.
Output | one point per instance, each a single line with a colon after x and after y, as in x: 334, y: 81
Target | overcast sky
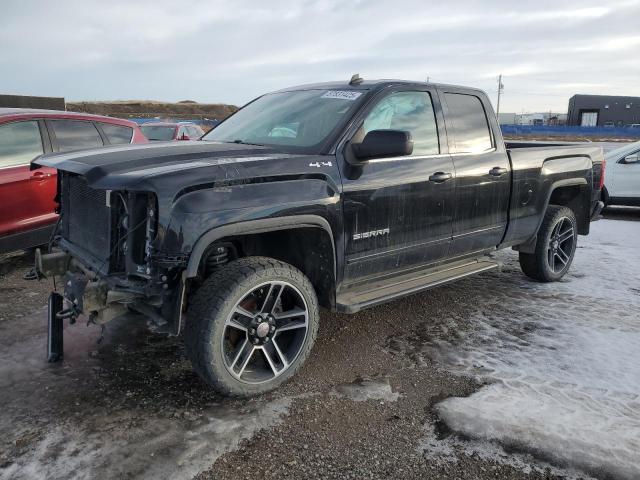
x: 232, y: 51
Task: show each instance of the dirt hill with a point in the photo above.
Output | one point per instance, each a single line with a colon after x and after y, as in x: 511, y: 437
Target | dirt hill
x: 151, y: 109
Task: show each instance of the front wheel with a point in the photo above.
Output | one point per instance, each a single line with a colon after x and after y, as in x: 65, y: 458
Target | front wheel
x: 555, y: 247
x: 251, y: 326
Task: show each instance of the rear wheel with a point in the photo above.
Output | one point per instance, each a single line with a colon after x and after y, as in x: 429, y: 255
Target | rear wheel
x: 251, y: 326
x: 555, y: 247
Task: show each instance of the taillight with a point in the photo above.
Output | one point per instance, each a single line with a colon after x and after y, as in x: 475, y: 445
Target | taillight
x: 604, y: 164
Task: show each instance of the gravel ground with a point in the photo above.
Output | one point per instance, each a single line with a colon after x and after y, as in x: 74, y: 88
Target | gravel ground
x: 361, y: 407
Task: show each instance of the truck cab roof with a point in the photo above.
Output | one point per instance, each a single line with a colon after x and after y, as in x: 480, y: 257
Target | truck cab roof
x: 378, y: 84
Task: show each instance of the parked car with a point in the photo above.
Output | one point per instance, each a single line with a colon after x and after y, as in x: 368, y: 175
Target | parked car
x: 345, y: 195
x: 623, y: 176
x: 166, y: 131
x: 27, y: 206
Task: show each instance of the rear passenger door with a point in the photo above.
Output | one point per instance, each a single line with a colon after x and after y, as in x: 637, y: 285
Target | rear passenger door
x: 69, y: 135
x: 483, y: 176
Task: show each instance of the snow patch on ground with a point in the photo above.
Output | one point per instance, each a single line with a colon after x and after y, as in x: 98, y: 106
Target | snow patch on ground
x: 146, y: 447
x: 448, y: 449
x: 563, y: 359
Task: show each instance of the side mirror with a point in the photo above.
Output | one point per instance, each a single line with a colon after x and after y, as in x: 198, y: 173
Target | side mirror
x: 383, y: 143
x: 184, y: 137
x: 633, y: 158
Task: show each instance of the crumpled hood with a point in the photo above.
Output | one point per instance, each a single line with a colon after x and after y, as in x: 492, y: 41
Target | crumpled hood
x: 130, y: 166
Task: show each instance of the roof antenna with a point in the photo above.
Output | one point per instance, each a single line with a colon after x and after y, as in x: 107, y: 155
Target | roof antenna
x: 356, y: 79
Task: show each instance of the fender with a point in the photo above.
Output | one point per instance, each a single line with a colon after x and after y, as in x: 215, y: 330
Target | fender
x: 530, y: 245
x: 256, y: 226
x: 566, y: 182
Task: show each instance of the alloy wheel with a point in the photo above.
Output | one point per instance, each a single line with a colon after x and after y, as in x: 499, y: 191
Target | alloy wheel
x: 561, y: 245
x: 265, y: 332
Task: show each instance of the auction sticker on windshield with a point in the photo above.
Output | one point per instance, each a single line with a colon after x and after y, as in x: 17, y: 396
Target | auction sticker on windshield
x: 342, y: 94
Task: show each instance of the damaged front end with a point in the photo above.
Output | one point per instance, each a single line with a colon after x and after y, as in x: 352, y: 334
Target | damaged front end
x: 106, y: 252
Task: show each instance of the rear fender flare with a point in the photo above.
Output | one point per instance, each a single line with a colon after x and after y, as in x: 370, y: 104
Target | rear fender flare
x: 567, y: 182
x: 256, y: 226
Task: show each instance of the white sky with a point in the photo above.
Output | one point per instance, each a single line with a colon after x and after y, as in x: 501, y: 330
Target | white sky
x: 232, y: 51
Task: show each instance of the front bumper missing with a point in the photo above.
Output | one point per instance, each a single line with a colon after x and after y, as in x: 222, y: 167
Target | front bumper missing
x: 102, y: 300
x: 84, y: 292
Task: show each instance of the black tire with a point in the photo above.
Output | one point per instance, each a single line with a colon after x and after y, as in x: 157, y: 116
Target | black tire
x: 551, y: 259
x: 604, y: 195
x: 213, y: 317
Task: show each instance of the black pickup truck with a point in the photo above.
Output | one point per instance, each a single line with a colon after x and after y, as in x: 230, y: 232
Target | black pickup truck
x: 344, y: 195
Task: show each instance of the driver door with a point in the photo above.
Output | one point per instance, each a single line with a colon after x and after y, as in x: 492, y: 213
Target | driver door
x: 398, y: 214
x: 27, y: 195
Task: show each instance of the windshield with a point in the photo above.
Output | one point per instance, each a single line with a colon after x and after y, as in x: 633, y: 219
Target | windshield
x: 301, y: 119
x: 622, y: 151
x: 157, y: 132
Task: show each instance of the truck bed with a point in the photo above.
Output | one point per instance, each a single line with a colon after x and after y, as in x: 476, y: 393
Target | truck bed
x: 538, y: 169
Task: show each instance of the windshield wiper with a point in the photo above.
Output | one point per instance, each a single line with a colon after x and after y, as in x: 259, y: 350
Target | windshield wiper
x: 239, y: 141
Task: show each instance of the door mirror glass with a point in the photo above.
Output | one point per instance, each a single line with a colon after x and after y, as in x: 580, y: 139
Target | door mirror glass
x: 384, y: 143
x: 633, y: 158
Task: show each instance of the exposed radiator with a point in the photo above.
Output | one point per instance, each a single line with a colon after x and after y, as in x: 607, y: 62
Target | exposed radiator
x: 86, y: 217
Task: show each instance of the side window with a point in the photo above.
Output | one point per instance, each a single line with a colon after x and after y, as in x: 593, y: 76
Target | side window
x: 408, y: 111
x: 117, y: 133
x: 20, y: 142
x: 194, y: 134
x: 469, y: 122
x: 75, y: 135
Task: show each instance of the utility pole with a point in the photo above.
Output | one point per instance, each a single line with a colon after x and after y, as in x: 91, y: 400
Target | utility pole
x: 500, y: 88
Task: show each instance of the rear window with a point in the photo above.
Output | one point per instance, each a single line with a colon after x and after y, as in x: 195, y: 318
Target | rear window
x: 20, y: 143
x: 117, y: 133
x: 469, y: 122
x: 156, y: 132
x: 75, y: 135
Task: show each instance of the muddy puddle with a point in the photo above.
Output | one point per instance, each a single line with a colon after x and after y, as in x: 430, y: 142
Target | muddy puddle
x: 363, y: 389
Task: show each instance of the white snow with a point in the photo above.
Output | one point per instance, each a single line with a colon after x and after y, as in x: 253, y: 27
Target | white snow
x: 563, y: 359
x: 124, y: 445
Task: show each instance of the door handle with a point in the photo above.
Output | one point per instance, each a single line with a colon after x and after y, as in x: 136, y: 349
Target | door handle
x: 497, y: 171
x: 40, y: 176
x: 440, y: 177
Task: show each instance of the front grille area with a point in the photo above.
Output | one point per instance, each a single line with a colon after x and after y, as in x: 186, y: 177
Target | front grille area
x: 86, y: 218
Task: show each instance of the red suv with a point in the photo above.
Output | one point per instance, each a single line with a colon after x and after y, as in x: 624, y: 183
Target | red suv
x: 168, y: 131
x: 27, y: 207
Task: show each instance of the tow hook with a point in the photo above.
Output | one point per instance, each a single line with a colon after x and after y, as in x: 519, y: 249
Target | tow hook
x: 71, y: 313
